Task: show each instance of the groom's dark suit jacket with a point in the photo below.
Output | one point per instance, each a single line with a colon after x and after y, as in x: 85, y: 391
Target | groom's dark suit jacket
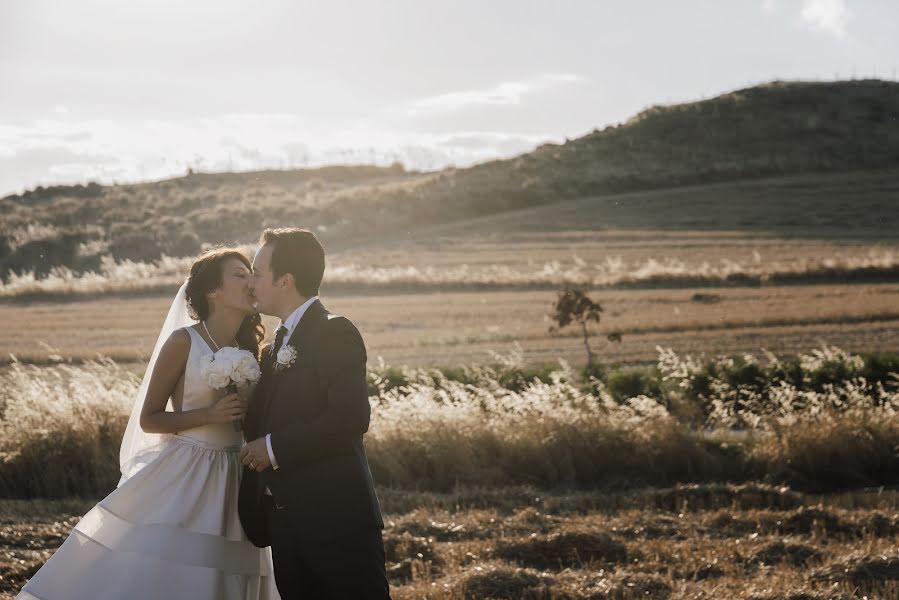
x: 316, y: 411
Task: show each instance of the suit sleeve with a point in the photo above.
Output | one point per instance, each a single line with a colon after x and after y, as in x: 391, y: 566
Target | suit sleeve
x: 341, y: 367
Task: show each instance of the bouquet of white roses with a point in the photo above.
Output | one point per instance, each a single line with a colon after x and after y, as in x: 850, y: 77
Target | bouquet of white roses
x: 229, y: 368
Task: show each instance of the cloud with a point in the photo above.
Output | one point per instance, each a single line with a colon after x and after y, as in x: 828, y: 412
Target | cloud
x: 488, y: 145
x: 47, y: 164
x: 50, y: 152
x: 829, y: 16
x: 502, y: 94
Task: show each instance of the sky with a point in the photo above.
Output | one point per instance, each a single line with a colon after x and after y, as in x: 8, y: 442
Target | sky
x: 113, y: 91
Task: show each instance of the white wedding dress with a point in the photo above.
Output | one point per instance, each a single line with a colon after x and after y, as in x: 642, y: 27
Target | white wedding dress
x: 170, y: 531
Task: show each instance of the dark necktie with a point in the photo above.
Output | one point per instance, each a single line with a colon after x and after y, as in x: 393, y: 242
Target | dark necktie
x: 270, y: 366
x: 279, y: 339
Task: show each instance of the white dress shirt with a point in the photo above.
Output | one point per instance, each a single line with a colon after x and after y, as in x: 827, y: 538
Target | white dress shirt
x: 291, y: 325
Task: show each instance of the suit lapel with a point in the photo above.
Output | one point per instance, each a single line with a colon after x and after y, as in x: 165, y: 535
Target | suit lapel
x: 313, y: 314
x: 260, y: 395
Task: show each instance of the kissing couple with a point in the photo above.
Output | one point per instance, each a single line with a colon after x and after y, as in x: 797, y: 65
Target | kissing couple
x: 257, y: 491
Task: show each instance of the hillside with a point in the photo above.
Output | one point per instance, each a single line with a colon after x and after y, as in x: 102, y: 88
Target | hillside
x: 768, y: 130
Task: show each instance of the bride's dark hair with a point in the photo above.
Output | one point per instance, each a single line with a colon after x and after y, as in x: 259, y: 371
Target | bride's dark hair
x: 206, y: 276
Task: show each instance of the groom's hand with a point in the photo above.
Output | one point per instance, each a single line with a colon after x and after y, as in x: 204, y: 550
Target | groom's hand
x: 255, y: 455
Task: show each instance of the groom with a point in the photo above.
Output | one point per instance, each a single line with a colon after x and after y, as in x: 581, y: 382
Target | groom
x: 307, y: 490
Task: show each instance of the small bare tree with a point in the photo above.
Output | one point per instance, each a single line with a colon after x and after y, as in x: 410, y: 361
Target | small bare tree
x: 574, y: 306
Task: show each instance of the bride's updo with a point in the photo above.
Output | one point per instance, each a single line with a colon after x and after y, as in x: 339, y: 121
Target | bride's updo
x: 206, y: 276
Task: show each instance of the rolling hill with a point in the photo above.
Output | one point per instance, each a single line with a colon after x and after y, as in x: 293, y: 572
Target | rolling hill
x: 776, y: 130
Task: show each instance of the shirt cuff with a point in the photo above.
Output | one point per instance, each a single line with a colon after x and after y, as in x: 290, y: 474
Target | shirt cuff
x: 271, y: 455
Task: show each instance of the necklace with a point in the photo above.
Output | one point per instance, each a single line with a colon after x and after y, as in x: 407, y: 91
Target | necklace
x: 211, y: 339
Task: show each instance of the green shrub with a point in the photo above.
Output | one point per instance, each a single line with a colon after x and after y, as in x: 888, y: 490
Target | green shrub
x: 789, y: 371
x: 829, y: 373
x: 633, y: 382
x: 596, y: 370
x: 878, y: 366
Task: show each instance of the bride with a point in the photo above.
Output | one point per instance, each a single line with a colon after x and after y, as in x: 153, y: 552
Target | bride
x: 170, y: 529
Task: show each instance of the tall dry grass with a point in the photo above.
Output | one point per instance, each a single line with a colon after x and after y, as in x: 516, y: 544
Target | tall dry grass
x: 122, y: 276
x: 61, y: 427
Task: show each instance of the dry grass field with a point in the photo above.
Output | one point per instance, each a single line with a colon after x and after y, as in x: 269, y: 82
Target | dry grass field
x: 689, y: 542
x: 452, y: 328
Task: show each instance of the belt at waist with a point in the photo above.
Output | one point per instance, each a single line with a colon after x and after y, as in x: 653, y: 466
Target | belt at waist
x: 207, y: 445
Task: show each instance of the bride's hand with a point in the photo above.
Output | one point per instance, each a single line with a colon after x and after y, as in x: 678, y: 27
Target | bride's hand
x: 227, y: 409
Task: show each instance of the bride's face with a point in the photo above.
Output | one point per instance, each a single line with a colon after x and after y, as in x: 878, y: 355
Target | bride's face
x: 236, y: 291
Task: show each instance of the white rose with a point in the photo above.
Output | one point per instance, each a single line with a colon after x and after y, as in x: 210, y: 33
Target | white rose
x: 237, y: 372
x: 248, y: 368
x: 218, y: 380
x: 227, y: 356
x: 230, y: 365
x: 218, y: 367
x: 256, y: 371
x: 240, y: 374
x: 286, y: 355
x: 212, y: 372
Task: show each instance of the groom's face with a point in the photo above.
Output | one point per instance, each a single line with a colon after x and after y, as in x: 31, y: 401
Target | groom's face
x: 264, y: 287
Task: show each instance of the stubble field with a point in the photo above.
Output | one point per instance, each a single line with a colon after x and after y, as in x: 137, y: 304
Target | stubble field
x: 451, y: 328
x: 691, y: 542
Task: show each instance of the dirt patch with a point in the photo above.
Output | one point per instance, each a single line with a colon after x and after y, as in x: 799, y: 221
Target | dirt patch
x: 410, y: 557
x: 802, y: 521
x: 652, y: 527
x: 730, y: 525
x: 699, y: 573
x: 716, y: 496
x: 564, y: 549
x: 861, y: 570
x: 781, y: 552
x: 18, y: 566
x: 629, y: 586
x: 807, y: 520
x: 799, y: 596
x: 441, y: 531
x: 35, y: 536
x: 403, y: 546
x: 502, y: 583
x: 881, y: 525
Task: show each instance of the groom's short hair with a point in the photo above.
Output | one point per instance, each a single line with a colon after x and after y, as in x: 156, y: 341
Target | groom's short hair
x: 298, y: 252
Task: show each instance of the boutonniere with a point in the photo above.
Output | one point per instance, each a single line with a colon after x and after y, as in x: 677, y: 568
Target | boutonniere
x: 286, y: 357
